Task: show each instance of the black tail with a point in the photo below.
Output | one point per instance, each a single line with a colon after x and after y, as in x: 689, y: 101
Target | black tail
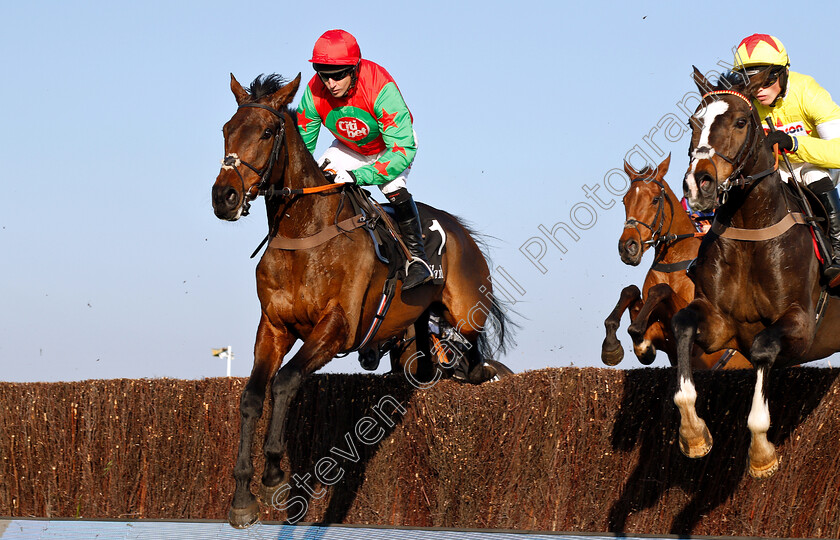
x: 497, y: 336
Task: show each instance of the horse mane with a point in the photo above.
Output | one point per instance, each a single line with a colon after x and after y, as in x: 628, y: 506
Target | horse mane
x: 265, y: 85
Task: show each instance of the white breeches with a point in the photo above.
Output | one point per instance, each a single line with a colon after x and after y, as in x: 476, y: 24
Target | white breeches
x: 809, y: 173
x: 343, y: 159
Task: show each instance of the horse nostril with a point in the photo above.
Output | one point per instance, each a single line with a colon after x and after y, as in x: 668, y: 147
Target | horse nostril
x: 703, y: 180
x: 231, y: 198
x: 632, y: 248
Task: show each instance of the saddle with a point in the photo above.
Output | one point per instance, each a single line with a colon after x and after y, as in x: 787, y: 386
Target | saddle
x: 385, y: 234
x: 377, y: 221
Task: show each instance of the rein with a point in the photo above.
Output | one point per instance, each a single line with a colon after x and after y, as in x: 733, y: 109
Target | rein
x: 658, y: 220
x: 232, y: 161
x: 736, y: 179
x: 658, y: 239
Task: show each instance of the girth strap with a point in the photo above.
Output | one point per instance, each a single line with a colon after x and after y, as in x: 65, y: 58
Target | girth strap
x: 325, y: 234
x: 672, y: 267
x: 757, y: 235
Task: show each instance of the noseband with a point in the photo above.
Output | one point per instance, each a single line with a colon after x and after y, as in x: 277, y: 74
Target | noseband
x: 745, y: 152
x: 232, y: 161
x: 659, y: 219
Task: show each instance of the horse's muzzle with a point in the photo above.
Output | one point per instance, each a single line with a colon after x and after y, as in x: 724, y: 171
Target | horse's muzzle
x: 227, y: 202
x: 700, y: 190
x: 630, y: 251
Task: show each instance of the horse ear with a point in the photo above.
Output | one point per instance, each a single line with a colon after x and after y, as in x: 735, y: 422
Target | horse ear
x: 629, y: 169
x: 700, y: 80
x: 285, y: 95
x: 663, y: 167
x: 240, y: 93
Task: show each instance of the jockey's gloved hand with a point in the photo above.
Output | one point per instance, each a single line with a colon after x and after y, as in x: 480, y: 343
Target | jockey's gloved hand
x: 785, y: 141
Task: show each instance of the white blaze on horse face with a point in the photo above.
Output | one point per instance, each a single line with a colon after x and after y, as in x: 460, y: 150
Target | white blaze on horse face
x: 705, y: 117
x: 759, y: 419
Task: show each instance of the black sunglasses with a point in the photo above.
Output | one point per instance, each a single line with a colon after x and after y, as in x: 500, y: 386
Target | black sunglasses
x: 771, y: 79
x: 773, y: 74
x: 336, y: 75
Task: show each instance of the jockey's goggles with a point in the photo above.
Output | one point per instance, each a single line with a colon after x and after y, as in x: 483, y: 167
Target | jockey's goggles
x: 336, y: 75
x: 773, y: 74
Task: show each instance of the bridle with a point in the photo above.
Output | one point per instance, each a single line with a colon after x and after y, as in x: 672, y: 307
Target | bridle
x: 744, y: 154
x: 655, y: 228
x: 232, y: 161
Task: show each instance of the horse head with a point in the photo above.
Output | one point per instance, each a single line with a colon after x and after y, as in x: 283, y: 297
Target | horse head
x: 645, y: 211
x: 725, y: 142
x: 255, y: 139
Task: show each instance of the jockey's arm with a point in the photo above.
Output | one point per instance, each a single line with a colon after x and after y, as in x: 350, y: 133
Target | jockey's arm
x: 394, y: 120
x: 823, y: 150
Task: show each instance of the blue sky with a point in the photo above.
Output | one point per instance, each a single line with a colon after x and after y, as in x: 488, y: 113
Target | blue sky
x: 114, y: 264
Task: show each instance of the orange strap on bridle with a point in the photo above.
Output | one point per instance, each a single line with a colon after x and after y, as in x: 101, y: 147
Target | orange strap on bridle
x: 307, y: 191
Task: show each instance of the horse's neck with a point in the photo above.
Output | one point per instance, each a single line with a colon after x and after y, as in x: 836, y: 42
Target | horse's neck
x: 760, y: 204
x: 680, y: 224
x: 301, y: 213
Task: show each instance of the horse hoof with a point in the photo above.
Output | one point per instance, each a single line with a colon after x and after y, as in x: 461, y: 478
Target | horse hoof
x: 696, y: 447
x: 613, y: 357
x: 766, y: 470
x: 645, y: 352
x: 273, y: 496
x: 241, y: 518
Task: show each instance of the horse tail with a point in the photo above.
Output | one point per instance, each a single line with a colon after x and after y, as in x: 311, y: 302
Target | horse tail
x: 497, y: 336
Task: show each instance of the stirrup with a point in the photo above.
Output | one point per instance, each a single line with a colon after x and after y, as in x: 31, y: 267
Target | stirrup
x: 832, y: 274
x: 408, y: 285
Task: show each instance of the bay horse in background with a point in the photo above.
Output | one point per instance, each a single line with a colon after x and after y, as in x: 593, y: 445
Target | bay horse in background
x: 326, y: 295
x: 655, y: 218
x: 757, y: 277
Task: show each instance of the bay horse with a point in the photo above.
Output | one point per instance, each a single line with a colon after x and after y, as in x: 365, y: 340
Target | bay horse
x: 757, y: 276
x: 656, y: 219
x: 326, y: 295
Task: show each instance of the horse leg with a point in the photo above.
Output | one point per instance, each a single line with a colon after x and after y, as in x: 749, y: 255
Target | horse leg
x: 271, y: 346
x: 660, y: 303
x: 325, y: 341
x: 611, y: 351
x: 695, y: 439
x: 785, y: 336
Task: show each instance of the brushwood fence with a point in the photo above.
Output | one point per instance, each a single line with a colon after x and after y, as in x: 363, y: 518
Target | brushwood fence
x: 556, y: 450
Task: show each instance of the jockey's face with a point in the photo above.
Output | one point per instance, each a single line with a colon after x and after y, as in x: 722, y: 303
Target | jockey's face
x: 766, y: 96
x: 338, y: 88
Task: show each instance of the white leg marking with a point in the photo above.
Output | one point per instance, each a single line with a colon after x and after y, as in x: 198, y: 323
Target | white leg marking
x: 686, y: 396
x: 759, y: 419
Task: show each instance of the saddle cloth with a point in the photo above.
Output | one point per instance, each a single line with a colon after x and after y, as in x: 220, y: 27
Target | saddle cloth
x: 434, y: 242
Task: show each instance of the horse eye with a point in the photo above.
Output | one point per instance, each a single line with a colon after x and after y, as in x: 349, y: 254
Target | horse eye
x: 266, y: 134
x: 655, y: 200
x: 741, y: 122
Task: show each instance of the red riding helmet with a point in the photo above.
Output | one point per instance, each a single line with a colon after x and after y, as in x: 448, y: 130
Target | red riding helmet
x: 337, y: 48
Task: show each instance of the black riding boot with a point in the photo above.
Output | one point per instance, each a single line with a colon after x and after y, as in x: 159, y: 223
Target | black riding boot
x: 405, y: 212
x: 831, y: 201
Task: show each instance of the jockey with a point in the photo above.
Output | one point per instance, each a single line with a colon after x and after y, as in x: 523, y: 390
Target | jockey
x: 360, y: 104
x: 807, y: 123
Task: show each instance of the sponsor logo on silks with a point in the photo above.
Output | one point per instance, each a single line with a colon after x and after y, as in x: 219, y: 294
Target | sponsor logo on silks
x: 796, y: 128
x: 352, y: 128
